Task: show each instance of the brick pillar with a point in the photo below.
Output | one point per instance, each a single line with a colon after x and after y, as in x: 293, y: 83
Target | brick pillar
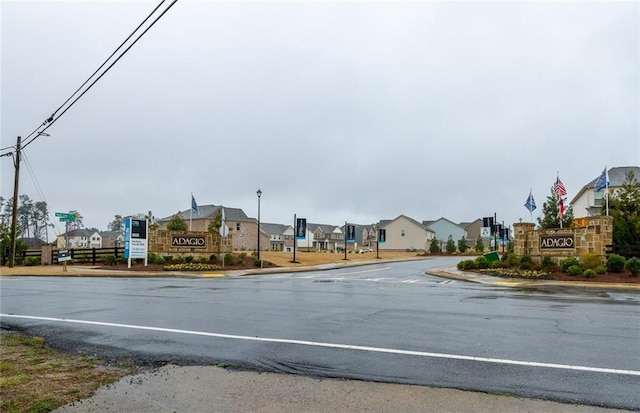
x: 523, y: 239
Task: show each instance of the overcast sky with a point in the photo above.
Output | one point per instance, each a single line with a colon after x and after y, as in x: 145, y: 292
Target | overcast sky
x: 337, y: 111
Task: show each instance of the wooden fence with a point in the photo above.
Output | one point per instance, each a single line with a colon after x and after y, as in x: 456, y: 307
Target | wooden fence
x: 91, y: 256
x: 626, y: 251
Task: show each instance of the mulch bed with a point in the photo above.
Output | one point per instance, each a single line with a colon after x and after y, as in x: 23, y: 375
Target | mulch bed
x: 622, y: 277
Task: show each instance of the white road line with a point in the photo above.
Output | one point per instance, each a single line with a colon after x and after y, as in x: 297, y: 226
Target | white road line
x: 335, y: 345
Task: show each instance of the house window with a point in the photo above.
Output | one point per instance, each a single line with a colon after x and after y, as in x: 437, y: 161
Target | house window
x: 402, y: 233
x: 597, y: 198
x: 237, y: 226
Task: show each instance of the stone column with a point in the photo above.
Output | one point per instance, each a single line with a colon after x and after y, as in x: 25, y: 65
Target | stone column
x: 523, y: 238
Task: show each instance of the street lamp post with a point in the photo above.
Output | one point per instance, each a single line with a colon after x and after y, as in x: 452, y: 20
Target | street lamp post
x: 259, y: 193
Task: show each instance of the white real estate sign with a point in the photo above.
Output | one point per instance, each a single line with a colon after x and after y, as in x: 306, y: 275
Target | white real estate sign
x: 135, y: 238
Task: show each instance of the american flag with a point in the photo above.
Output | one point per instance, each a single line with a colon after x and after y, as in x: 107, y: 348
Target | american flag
x: 559, y: 188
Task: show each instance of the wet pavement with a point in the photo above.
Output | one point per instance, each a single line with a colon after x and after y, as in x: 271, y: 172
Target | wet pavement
x: 173, y: 388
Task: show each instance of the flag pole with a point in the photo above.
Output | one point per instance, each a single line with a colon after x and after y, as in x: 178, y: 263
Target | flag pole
x: 190, y: 212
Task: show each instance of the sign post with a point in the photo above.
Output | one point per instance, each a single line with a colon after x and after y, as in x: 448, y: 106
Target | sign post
x: 63, y: 257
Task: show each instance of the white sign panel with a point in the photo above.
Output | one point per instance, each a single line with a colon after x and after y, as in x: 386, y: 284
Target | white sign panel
x: 485, y: 232
x: 135, y: 242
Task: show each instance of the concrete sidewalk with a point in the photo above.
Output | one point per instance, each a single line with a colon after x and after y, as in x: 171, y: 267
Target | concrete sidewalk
x: 213, y: 389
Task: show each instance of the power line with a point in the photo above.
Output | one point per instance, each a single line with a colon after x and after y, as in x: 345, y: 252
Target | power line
x: 53, y: 118
x: 107, y: 59
x: 102, y: 74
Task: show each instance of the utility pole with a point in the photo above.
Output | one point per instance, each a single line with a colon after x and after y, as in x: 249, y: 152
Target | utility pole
x: 14, y: 208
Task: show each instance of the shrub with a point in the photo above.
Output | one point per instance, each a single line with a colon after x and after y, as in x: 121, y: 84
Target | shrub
x: 188, y: 258
x: 590, y: 273
x: 228, y: 258
x: 568, y: 262
x: 257, y: 263
x: 601, y: 270
x: 450, y: 247
x: 467, y: 265
x: 434, y: 246
x: 482, y: 262
x: 526, y: 262
x: 590, y: 261
x: 633, y: 266
x: 615, y: 263
x: 243, y: 255
x: 549, y: 264
x: 153, y: 258
x: 111, y: 260
x: 31, y: 261
x: 511, y: 260
x: 574, y: 270
x: 213, y: 258
x: 496, y: 264
x: 168, y: 259
x: 178, y: 260
x: 191, y: 266
x: 462, y: 245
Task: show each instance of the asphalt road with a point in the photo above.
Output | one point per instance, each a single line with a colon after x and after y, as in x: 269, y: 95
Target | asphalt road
x: 386, y: 323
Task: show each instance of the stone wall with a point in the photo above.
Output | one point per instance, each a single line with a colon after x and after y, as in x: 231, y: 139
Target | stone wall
x: 589, y: 235
x: 187, y: 243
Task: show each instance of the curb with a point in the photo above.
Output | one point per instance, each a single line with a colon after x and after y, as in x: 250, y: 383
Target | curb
x: 450, y: 272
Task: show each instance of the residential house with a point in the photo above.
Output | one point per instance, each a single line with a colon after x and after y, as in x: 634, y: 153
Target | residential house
x: 307, y: 243
x: 365, y: 235
x: 280, y: 236
x: 79, y: 238
x: 473, y: 230
x: 589, y: 202
x: 443, y: 229
x: 111, y: 239
x: 404, y: 233
x: 370, y: 235
x: 242, y: 229
x: 33, y: 243
x: 326, y: 237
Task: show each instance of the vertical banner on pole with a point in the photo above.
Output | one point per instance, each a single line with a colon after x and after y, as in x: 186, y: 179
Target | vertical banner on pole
x: 382, y: 236
x: 301, y: 228
x: 300, y: 232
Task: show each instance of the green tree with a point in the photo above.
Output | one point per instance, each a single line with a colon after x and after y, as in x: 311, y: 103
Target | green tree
x: 479, y: 245
x: 624, y: 208
x: 462, y: 245
x: 434, y: 247
x: 177, y: 223
x: 550, y: 210
x: 117, y: 225
x: 32, y: 217
x: 40, y: 221
x: 451, y: 245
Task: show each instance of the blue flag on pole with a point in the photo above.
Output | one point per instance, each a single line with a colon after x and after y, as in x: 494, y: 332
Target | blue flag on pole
x: 603, y: 181
x: 194, y: 205
x: 531, y: 203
